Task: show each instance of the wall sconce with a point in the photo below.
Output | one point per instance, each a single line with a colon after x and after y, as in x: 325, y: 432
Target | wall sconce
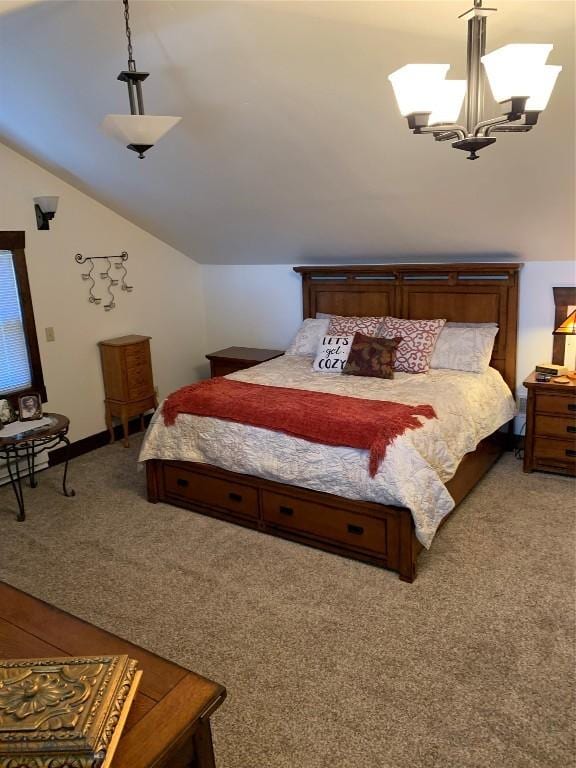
x: 45, y: 207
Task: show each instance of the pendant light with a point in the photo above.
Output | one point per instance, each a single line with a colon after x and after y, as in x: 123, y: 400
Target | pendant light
x: 520, y: 81
x: 138, y: 131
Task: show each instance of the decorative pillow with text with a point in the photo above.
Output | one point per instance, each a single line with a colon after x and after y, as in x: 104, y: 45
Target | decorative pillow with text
x: 332, y: 354
x: 418, y: 339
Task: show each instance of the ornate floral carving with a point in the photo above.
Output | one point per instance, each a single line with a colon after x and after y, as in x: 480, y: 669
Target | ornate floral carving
x: 33, y: 695
x: 61, y: 713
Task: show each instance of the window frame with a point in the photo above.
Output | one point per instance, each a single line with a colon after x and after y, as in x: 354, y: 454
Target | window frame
x: 15, y: 243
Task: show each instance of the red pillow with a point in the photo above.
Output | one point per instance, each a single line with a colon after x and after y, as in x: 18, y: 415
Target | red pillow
x: 418, y: 340
x: 346, y: 326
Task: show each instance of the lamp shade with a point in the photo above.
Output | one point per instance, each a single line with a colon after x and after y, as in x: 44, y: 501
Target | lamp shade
x: 415, y: 86
x: 47, y: 203
x: 448, y: 100
x: 568, y: 326
x: 517, y: 69
x: 138, y: 129
x: 542, y: 87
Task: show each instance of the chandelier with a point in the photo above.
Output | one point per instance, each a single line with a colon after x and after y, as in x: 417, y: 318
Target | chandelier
x: 520, y: 80
x: 138, y: 131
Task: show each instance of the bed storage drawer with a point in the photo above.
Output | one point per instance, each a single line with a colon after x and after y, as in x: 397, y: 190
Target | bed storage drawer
x: 358, y: 531
x: 238, y: 498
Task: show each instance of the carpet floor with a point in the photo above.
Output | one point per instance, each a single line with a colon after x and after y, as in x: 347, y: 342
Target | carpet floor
x: 328, y: 662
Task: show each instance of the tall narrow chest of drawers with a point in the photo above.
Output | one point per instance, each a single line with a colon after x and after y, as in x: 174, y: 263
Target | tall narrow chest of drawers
x: 128, y: 380
x: 550, y: 443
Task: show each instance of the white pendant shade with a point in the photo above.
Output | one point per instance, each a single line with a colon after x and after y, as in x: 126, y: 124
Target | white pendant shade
x: 138, y: 129
x: 542, y: 87
x: 518, y: 70
x: 415, y: 86
x: 47, y: 203
x: 448, y: 100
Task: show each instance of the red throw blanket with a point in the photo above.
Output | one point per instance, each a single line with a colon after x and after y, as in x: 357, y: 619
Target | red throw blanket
x: 316, y: 416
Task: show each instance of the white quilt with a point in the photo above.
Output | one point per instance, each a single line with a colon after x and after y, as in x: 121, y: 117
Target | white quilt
x: 469, y: 406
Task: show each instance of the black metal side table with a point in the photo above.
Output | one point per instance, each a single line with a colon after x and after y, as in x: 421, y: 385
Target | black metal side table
x: 28, y: 445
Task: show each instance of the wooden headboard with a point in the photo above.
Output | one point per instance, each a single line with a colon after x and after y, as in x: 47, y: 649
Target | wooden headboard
x: 465, y: 293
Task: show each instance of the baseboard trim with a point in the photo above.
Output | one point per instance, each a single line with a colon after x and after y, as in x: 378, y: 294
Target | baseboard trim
x: 93, y: 442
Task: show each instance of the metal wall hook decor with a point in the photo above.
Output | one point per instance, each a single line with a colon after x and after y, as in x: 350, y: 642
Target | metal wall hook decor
x: 88, y: 276
x: 105, y: 274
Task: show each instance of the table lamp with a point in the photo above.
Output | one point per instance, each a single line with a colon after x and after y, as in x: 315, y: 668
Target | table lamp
x: 567, y: 327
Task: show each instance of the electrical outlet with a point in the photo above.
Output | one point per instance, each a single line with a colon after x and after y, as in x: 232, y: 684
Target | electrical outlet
x: 50, y: 335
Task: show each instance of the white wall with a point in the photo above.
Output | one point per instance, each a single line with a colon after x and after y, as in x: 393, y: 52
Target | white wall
x: 261, y: 305
x: 166, y: 303
x: 188, y: 309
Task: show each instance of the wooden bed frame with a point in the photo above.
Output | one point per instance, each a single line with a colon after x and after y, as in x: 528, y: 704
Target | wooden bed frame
x: 374, y: 533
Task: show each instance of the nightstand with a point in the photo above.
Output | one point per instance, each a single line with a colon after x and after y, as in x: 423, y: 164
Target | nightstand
x: 550, y: 442
x: 234, y: 359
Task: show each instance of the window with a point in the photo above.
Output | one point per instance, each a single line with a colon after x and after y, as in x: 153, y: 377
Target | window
x: 20, y: 368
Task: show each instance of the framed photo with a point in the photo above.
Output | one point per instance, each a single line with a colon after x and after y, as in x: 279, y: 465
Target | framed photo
x: 7, y: 414
x: 30, y: 407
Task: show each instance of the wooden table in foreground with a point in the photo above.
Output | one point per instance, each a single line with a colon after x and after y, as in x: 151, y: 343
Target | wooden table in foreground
x: 169, y: 722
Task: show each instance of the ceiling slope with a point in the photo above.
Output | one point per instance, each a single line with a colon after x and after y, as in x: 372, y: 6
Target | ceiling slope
x: 291, y: 148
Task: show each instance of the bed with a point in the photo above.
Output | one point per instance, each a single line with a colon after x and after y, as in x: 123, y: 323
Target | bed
x: 288, y: 492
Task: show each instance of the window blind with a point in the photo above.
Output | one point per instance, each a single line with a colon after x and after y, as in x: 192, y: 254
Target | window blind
x: 15, y: 370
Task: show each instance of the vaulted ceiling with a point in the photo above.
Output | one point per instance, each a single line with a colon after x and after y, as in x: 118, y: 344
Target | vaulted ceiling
x: 291, y: 147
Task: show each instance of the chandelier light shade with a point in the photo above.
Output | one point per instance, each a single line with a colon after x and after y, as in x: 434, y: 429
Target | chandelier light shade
x: 138, y: 131
x: 513, y: 69
x: 542, y: 87
x: 448, y: 100
x: 520, y: 80
x: 414, y: 86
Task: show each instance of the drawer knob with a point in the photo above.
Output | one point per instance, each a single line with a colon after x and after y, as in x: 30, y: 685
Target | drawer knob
x: 572, y: 406
x: 288, y: 511
x: 570, y: 429
x: 570, y: 452
x: 182, y: 483
x: 234, y: 497
x: 356, y: 529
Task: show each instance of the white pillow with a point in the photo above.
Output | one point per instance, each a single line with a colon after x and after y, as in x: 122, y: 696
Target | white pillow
x: 308, y: 337
x: 333, y: 354
x: 464, y: 348
x: 472, y: 325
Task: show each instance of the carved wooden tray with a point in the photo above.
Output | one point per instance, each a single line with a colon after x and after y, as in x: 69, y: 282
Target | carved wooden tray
x: 64, y: 712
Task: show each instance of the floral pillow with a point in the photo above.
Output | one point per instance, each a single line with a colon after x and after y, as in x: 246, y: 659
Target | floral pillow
x: 332, y: 354
x: 372, y: 356
x: 418, y: 340
x: 343, y: 326
x: 308, y: 338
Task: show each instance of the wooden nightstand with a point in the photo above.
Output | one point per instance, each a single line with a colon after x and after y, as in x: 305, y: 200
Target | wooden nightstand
x: 550, y: 442
x: 128, y: 382
x: 234, y: 359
